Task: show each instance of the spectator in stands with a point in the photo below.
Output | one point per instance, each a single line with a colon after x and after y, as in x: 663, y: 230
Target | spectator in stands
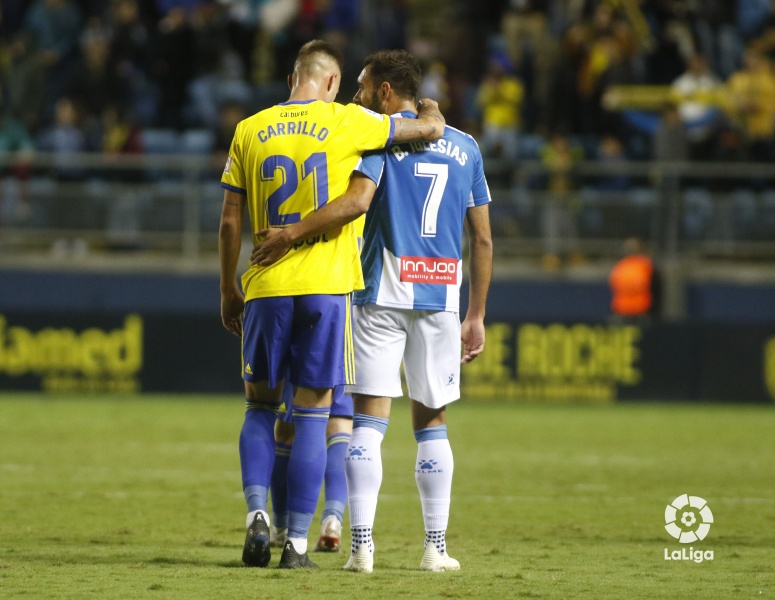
x: 500, y: 97
x: 673, y: 41
x: 24, y: 78
x: 532, y: 50
x: 611, y: 153
x: 560, y: 230
x: 340, y: 22
x: 696, y: 91
x: 393, y: 17
x: 460, y: 47
x: 751, y: 104
x: 130, y: 58
x: 525, y: 31
x: 56, y: 25
x: 14, y: 136
x: 671, y: 141
x: 754, y: 17
x: 94, y: 85
x: 16, y: 141
x: 635, y: 284
x: 669, y: 144
x: 130, y: 42
x: 119, y: 134
x: 434, y: 84
x: 229, y: 115
x: 608, y: 64
x: 12, y: 17
x: 718, y: 35
x: 65, y: 139
x: 220, y: 73
x: 173, y: 65
x: 564, y: 110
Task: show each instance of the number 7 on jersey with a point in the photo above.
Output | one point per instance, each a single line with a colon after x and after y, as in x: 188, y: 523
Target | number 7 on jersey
x: 430, y: 211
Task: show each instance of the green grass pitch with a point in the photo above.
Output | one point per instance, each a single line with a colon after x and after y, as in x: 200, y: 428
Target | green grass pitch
x: 139, y: 497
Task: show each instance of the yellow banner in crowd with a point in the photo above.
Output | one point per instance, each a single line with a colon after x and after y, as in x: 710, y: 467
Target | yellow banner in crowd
x: 554, y: 362
x: 66, y: 360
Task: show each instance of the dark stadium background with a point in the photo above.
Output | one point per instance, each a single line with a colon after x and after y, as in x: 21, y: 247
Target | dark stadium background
x: 116, y: 117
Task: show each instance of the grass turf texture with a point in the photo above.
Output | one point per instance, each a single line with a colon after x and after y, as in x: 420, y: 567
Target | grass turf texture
x: 139, y: 497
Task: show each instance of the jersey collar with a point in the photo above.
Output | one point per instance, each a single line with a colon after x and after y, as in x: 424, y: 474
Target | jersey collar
x: 406, y: 114
x: 287, y: 102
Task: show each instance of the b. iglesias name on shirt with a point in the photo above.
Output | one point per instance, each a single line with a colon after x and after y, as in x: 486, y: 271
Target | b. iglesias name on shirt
x: 441, y: 146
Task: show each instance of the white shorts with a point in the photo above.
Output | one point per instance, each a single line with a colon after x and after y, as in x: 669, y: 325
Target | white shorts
x: 428, y: 342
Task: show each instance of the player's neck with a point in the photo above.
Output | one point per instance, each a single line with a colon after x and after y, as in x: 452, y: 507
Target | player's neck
x: 308, y: 90
x: 403, y: 106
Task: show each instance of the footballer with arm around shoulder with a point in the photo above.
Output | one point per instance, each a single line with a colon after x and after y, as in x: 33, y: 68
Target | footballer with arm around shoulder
x: 428, y: 126
x: 349, y: 206
x: 477, y: 226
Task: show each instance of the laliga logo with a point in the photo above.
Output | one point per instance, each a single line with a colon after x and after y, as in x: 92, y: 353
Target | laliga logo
x: 688, y: 520
x: 688, y: 511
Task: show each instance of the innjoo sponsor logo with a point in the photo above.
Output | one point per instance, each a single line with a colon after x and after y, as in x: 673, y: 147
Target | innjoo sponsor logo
x: 688, y: 519
x: 421, y: 269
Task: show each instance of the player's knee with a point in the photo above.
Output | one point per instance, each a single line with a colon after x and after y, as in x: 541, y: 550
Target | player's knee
x: 337, y: 425
x: 284, y: 433
x: 424, y: 417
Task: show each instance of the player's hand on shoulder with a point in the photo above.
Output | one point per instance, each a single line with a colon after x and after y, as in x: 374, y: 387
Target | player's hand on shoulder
x: 427, y: 104
x: 429, y: 108
x: 428, y: 112
x: 273, y: 246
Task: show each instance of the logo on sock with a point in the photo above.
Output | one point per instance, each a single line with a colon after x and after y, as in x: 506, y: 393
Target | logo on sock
x: 427, y: 466
x: 357, y: 453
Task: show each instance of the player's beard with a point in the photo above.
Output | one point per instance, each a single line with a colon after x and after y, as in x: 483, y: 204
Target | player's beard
x: 374, y: 104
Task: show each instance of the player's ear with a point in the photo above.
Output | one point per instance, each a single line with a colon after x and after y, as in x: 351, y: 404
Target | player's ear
x: 290, y: 81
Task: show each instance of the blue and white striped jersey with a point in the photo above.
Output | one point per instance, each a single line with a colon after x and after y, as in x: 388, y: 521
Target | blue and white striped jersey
x: 412, y: 255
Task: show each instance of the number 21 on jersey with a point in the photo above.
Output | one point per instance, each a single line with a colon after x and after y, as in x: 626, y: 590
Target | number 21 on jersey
x: 314, y: 168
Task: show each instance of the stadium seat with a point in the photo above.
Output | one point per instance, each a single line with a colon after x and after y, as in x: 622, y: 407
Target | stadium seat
x: 160, y: 141
x: 530, y: 146
x: 210, y: 207
x: 167, y: 212
x: 196, y: 141
x: 643, y: 197
x: 744, y: 209
x: 697, y: 213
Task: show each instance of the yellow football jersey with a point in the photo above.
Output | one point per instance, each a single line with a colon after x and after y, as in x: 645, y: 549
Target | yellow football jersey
x: 290, y: 160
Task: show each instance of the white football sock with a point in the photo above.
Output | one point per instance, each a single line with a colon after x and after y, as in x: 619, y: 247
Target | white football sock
x: 433, y: 474
x: 252, y: 515
x: 299, y: 544
x: 363, y: 467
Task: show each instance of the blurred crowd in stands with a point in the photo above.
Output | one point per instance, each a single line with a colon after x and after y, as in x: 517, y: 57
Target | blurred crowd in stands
x: 544, y: 79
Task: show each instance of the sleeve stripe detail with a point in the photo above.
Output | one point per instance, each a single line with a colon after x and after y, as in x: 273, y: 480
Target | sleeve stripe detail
x: 234, y: 188
x: 392, y: 132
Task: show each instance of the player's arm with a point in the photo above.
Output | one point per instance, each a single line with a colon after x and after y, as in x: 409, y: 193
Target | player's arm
x: 427, y: 127
x: 480, y: 272
x: 229, y: 243
x: 347, y: 207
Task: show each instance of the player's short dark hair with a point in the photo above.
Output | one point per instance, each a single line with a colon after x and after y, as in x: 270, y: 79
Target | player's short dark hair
x: 308, y: 50
x: 399, y: 68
